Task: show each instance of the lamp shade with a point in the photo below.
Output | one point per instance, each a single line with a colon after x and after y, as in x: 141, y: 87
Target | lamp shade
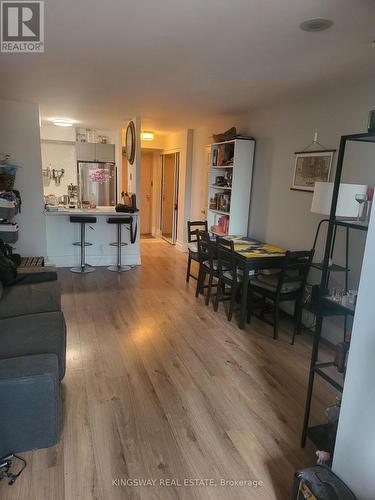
x: 347, y: 206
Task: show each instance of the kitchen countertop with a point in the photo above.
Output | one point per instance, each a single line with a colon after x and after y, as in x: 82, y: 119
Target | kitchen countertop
x: 105, y: 211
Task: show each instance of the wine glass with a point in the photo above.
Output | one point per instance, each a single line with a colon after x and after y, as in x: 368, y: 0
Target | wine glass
x: 360, y: 198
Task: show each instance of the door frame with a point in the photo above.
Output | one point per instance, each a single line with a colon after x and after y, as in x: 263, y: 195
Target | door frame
x: 177, y: 156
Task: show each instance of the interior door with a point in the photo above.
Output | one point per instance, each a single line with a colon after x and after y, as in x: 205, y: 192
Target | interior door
x: 169, y: 197
x: 147, y: 160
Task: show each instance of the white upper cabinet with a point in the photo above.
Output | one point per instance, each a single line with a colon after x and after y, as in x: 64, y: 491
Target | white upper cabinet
x: 105, y: 152
x: 87, y: 151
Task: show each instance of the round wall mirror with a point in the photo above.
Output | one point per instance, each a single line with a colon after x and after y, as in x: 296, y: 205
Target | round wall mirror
x: 130, y: 142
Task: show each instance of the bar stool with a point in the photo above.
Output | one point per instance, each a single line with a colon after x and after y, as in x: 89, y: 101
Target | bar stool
x: 83, y: 220
x: 119, y: 268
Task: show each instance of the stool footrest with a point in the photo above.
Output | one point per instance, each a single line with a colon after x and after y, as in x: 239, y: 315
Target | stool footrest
x: 119, y: 269
x: 83, y: 269
x: 115, y: 244
x: 78, y: 244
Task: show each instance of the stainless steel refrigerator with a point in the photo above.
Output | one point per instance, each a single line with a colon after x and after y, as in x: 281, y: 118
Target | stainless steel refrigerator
x: 98, y: 181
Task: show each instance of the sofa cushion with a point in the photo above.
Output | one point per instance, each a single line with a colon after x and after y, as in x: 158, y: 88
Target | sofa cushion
x: 34, y: 334
x: 20, y: 299
x: 30, y: 403
x: 28, y: 366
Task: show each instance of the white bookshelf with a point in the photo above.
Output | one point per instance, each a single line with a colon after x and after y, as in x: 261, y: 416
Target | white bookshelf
x: 232, y: 160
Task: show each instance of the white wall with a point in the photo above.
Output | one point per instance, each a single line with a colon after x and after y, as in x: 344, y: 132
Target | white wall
x: 59, y: 156
x: 157, y: 143
x: 283, y: 217
x: 20, y: 137
x: 354, y: 458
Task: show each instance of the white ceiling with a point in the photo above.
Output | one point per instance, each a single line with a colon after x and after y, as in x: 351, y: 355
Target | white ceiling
x: 176, y: 62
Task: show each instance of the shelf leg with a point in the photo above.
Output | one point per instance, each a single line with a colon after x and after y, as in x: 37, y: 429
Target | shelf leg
x: 310, y: 385
x: 347, y: 260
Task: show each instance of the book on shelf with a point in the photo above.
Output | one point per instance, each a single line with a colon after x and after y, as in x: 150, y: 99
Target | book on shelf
x: 221, y: 202
x: 222, y: 155
x: 214, y: 157
x: 222, y: 226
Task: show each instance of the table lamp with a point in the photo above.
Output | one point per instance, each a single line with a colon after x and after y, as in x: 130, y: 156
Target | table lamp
x: 347, y: 206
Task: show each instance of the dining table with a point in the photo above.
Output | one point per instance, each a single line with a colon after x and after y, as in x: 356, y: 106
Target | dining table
x: 251, y: 255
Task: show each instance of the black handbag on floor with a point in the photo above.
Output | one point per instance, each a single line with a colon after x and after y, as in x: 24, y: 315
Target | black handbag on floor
x: 319, y: 483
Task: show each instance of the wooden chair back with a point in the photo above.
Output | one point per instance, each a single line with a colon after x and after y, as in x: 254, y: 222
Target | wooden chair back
x: 193, y: 226
x: 206, y: 248
x: 227, y: 264
x: 296, y: 267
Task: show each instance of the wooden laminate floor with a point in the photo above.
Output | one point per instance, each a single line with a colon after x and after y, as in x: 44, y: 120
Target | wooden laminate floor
x: 161, y: 388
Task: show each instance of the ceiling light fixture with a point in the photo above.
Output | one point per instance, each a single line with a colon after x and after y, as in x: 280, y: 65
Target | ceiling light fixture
x: 63, y: 122
x: 147, y: 136
x: 318, y: 24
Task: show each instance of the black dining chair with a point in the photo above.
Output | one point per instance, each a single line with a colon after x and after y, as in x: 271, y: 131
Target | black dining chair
x: 288, y: 285
x: 207, y: 264
x: 192, y: 227
x: 229, y: 275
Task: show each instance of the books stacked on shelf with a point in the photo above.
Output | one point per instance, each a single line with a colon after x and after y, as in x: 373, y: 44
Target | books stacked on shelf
x: 221, y: 202
x: 222, y: 226
x: 222, y: 155
x: 224, y: 180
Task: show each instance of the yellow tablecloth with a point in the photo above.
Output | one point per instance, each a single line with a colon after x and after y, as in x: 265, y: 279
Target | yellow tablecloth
x: 251, y: 248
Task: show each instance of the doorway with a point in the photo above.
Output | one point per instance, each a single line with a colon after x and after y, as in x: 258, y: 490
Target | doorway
x: 169, y: 196
x: 147, y: 167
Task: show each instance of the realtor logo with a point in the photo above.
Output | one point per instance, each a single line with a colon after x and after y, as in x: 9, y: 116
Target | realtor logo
x: 22, y: 26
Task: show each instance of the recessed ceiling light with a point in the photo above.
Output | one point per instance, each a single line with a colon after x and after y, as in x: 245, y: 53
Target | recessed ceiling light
x: 318, y: 24
x: 63, y: 122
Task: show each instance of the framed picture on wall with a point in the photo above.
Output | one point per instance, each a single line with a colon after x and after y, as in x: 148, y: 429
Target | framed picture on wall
x: 311, y: 167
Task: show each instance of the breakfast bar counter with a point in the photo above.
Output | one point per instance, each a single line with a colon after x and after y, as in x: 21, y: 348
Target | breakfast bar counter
x: 94, y: 212
x: 61, y: 234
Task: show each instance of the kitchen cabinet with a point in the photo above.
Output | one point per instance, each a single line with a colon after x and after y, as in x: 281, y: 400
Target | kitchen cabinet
x: 85, y: 151
x: 88, y: 151
x: 104, y: 152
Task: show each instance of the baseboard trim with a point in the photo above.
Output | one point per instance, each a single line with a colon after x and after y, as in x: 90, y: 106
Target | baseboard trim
x: 93, y: 260
x: 181, y: 247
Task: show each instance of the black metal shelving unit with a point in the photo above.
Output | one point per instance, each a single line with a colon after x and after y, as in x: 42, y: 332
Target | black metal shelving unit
x: 322, y: 435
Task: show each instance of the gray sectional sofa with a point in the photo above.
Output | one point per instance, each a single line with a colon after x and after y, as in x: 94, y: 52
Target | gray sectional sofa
x: 32, y: 362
